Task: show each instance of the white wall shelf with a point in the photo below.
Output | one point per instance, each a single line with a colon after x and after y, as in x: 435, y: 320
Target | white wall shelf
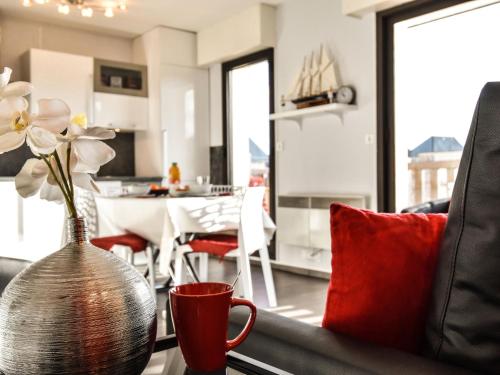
x: 299, y: 115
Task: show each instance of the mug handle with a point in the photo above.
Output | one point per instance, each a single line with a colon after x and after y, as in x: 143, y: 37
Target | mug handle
x: 231, y: 344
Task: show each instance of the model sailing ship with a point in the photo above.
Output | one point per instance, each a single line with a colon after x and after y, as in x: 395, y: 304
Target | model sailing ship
x: 316, y: 83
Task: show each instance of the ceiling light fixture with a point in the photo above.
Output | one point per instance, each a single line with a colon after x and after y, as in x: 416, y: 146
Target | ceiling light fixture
x: 87, y: 8
x: 109, y: 12
x: 63, y: 8
x: 87, y: 12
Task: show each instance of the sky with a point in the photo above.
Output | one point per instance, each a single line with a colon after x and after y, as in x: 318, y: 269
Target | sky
x: 440, y: 68
x: 249, y: 90
x: 251, y: 101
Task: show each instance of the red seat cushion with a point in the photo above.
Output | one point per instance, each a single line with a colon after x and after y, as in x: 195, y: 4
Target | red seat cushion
x: 215, y: 244
x: 135, y: 242
x: 382, y: 272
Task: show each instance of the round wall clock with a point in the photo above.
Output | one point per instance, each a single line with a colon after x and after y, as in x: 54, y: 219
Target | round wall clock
x: 345, y: 95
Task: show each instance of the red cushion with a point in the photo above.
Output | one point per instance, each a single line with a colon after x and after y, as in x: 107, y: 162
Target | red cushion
x: 216, y: 244
x: 135, y: 242
x: 382, y: 271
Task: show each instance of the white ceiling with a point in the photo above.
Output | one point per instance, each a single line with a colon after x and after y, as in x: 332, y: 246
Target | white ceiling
x: 142, y: 15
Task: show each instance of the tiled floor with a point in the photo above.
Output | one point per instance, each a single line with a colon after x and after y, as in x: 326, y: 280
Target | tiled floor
x: 299, y: 297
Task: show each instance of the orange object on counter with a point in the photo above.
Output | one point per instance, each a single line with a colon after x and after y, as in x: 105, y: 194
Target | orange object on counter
x: 174, y: 174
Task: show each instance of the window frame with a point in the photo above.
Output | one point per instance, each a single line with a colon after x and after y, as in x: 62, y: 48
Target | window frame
x: 385, y: 20
x: 227, y: 67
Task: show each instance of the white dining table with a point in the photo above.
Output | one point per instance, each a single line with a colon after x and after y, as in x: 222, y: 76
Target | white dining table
x: 161, y: 220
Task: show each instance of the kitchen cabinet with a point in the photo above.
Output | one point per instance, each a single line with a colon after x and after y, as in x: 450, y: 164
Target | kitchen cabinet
x: 72, y: 79
x: 185, y: 118
x: 60, y: 75
x: 118, y: 77
x: 124, y: 112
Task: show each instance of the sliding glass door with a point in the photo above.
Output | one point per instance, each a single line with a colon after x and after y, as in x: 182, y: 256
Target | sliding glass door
x: 249, y: 136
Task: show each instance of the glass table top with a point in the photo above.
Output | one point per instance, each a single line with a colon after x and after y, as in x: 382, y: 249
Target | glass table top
x: 168, y: 360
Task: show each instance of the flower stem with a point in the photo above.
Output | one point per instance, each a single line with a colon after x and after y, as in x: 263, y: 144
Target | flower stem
x: 68, y: 172
x: 69, y: 203
x: 64, y: 179
x: 62, y: 173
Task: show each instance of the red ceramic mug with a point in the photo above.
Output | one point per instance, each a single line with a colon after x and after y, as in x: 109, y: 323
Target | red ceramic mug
x: 200, y: 313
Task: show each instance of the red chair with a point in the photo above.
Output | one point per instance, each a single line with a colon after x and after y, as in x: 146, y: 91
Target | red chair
x: 86, y: 206
x: 215, y: 244
x: 136, y: 244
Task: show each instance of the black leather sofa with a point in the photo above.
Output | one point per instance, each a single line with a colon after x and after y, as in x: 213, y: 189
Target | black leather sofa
x: 438, y: 206
x: 9, y: 268
x: 463, y: 323
x: 304, y: 349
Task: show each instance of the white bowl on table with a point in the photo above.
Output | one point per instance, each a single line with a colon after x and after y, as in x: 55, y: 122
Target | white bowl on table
x: 138, y: 189
x: 197, y: 189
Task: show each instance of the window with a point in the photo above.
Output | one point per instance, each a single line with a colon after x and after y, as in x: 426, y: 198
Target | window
x: 434, y: 58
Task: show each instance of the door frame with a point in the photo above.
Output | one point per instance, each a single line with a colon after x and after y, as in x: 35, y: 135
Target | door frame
x: 386, y: 171
x: 264, y: 55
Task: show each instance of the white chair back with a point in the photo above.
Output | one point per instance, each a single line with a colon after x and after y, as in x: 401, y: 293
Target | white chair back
x: 211, y: 215
x: 251, y: 231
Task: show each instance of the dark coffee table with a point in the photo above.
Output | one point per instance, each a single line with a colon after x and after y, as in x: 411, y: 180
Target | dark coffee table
x: 168, y: 354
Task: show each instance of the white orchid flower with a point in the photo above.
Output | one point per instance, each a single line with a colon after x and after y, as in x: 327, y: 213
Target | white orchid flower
x: 66, y: 151
x: 40, y: 131
x: 53, y: 115
x: 36, y: 176
x: 14, y: 89
x: 88, y: 152
x: 87, y: 155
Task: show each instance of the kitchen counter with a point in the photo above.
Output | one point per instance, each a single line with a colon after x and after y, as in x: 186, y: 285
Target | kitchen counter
x: 130, y: 179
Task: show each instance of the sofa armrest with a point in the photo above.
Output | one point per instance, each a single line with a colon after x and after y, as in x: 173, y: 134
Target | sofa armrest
x: 9, y: 268
x: 301, y: 348
x: 438, y: 206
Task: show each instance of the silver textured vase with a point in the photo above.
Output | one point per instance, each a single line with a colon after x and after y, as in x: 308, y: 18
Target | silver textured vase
x: 81, y: 310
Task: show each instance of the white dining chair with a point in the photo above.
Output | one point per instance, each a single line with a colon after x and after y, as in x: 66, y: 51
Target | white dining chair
x: 250, y: 239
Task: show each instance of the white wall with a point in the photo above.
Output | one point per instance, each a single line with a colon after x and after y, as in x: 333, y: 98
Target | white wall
x: 327, y: 156
x: 248, y: 31
x: 362, y: 7
x: 19, y: 35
